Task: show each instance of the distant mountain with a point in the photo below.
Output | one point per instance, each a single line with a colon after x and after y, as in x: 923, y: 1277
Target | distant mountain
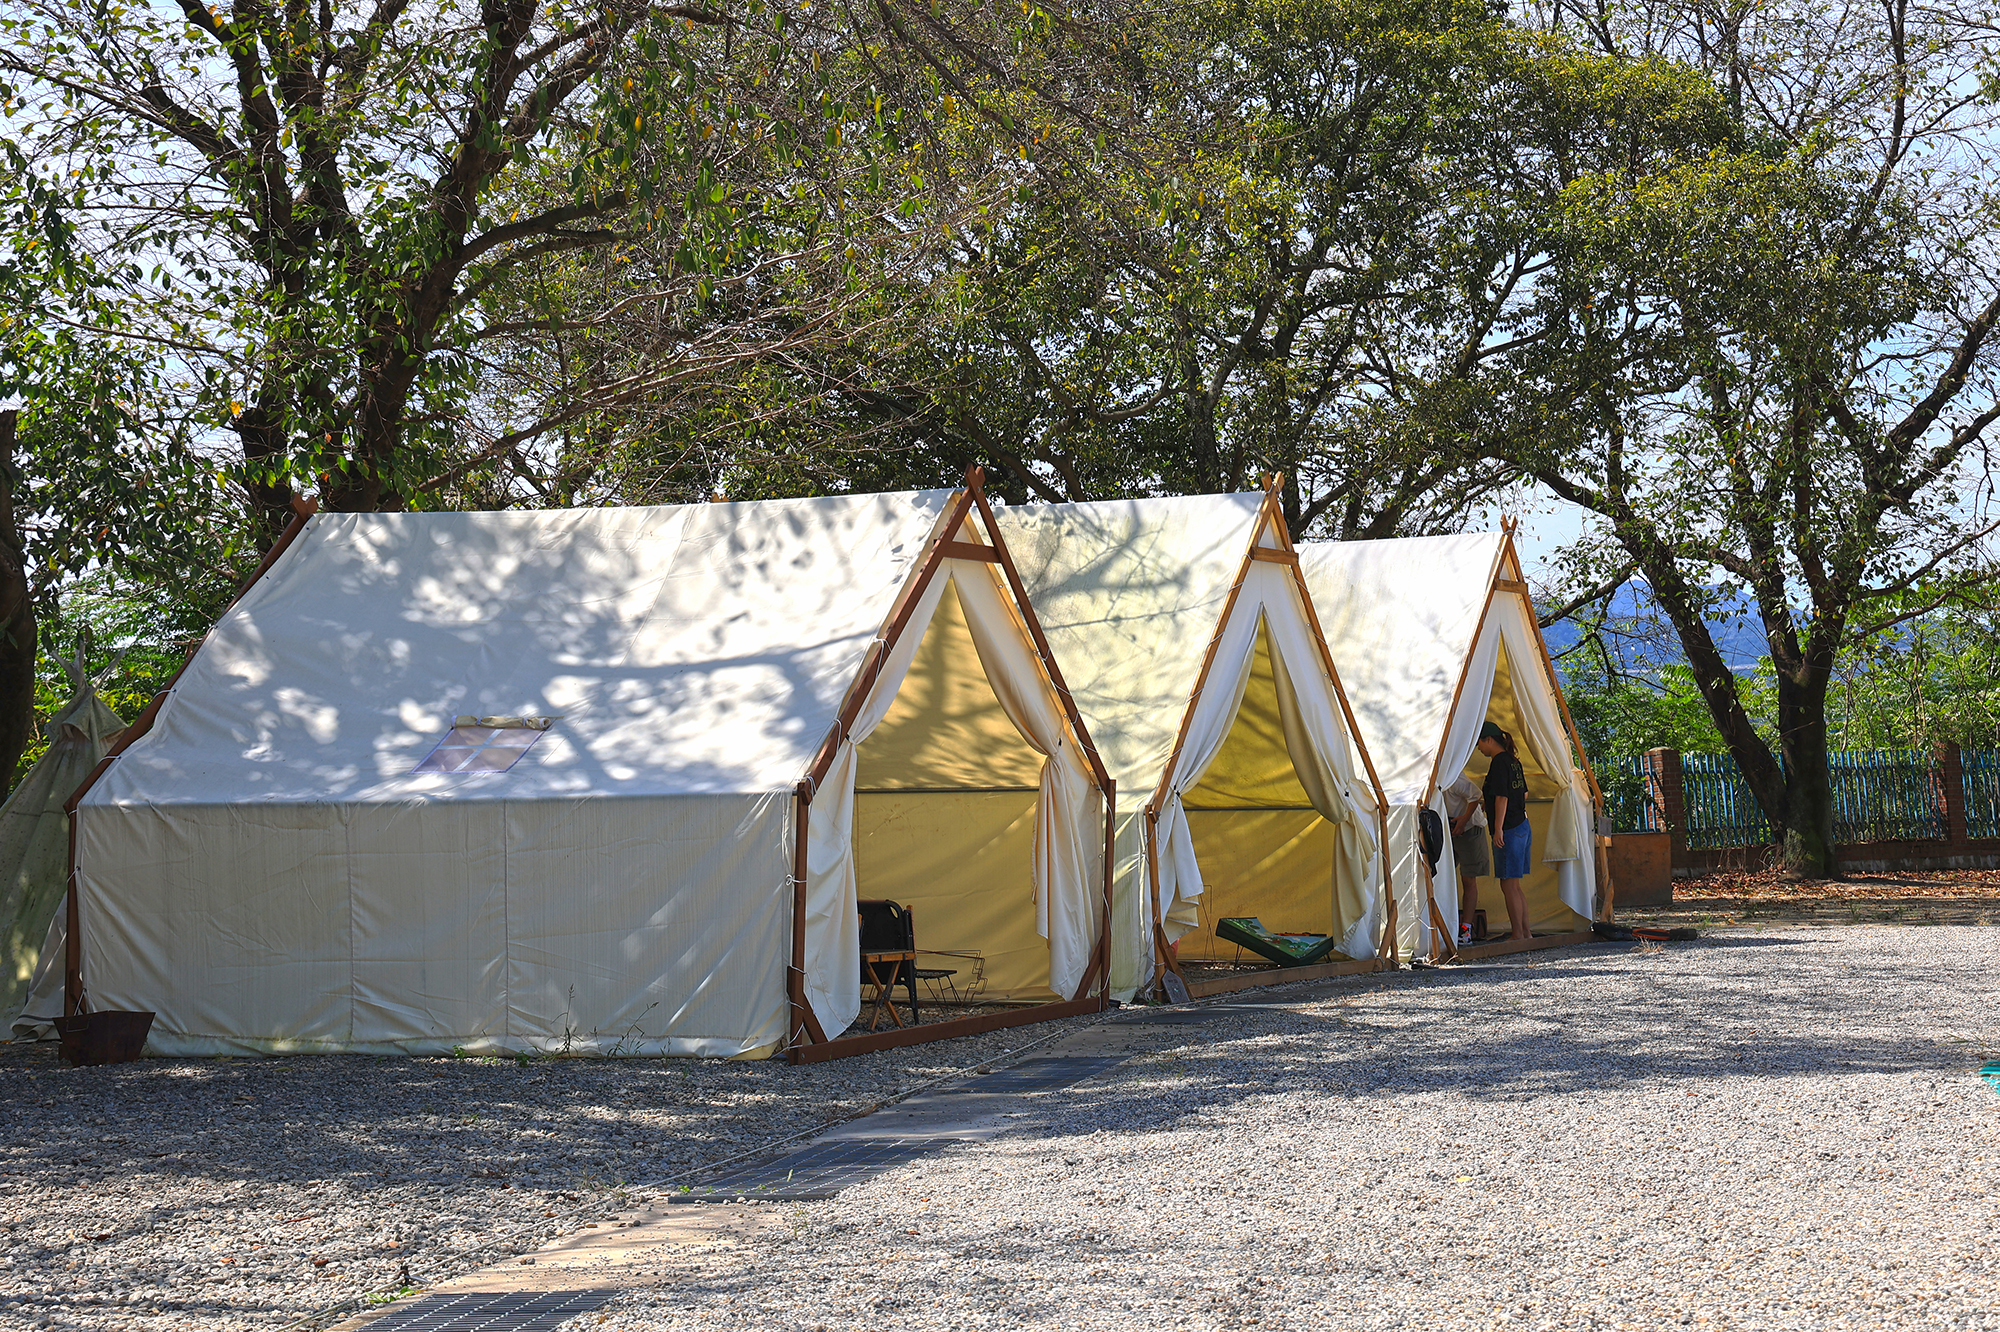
x: 1641, y: 638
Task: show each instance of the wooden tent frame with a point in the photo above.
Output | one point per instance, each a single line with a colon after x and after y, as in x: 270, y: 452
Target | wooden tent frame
x: 806, y: 1042
x: 1506, y: 561
x: 1271, y: 517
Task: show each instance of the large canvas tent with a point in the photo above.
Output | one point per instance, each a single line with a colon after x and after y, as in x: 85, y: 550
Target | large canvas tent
x: 1195, y: 658
x: 1434, y: 636
x: 537, y: 780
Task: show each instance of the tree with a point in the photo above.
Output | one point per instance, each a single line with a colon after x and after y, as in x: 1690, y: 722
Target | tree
x: 295, y: 204
x: 1762, y: 354
x: 94, y: 484
x: 1935, y: 680
x: 1233, y: 242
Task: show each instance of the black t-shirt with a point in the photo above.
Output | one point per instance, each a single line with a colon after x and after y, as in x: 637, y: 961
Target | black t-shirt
x: 1505, y: 778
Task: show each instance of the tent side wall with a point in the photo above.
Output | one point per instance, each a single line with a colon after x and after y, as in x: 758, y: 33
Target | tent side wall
x: 597, y: 925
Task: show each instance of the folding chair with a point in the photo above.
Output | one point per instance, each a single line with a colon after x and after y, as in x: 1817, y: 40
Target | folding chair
x: 888, y: 957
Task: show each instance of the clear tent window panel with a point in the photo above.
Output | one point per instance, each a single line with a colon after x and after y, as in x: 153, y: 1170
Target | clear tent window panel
x: 480, y: 749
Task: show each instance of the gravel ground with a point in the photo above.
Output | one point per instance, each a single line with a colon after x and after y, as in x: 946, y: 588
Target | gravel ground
x: 240, y: 1193
x: 1770, y: 1130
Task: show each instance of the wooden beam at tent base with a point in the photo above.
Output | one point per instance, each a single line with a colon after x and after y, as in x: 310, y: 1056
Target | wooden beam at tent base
x: 844, y: 1046
x: 1202, y: 989
x: 1472, y: 952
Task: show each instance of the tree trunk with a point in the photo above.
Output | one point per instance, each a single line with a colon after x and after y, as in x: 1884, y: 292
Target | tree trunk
x: 17, y: 617
x: 264, y: 446
x: 1806, y: 846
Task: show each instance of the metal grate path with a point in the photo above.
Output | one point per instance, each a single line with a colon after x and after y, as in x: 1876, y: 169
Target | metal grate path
x: 514, y: 1311
x: 822, y: 1169
x: 818, y: 1170
x: 1033, y: 1075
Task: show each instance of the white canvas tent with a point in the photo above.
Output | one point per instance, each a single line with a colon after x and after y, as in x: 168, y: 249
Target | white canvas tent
x: 1433, y: 636
x: 34, y: 854
x: 268, y: 869
x: 1193, y: 655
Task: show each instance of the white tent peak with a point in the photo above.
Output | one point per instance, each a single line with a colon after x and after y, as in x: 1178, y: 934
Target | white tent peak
x: 688, y: 648
x: 1401, y: 616
x: 1150, y: 574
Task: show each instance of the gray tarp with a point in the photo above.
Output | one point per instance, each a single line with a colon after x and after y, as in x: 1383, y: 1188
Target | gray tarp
x: 34, y: 856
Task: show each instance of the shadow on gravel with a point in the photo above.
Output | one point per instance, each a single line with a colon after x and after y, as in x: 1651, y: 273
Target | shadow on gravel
x: 474, y: 1124
x: 1511, y: 1033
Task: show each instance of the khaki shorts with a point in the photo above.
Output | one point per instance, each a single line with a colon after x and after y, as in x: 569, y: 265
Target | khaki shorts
x: 1473, y: 850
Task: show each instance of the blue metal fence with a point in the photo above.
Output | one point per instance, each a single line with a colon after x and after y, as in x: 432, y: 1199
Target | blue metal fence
x: 1879, y: 795
x: 1982, y: 791
x: 1887, y: 795
x: 1720, y: 809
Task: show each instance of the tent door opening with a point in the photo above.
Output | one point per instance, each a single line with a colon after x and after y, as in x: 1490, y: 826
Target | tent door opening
x: 1547, y: 912
x: 944, y: 825
x: 1264, y: 851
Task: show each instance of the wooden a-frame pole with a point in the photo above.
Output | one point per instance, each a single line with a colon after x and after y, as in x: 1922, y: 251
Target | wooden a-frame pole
x: 1269, y: 513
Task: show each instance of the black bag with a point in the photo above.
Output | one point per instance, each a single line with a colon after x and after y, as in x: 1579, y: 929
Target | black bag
x: 1431, y: 829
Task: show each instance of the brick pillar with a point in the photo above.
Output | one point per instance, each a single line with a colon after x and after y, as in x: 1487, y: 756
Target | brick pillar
x: 1951, y: 783
x: 1663, y: 786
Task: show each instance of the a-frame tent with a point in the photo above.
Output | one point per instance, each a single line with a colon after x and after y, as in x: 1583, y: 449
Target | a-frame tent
x: 1434, y: 636
x: 535, y: 781
x: 1195, y: 658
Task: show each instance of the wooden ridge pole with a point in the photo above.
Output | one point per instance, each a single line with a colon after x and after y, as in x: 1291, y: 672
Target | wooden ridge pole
x: 74, y: 1002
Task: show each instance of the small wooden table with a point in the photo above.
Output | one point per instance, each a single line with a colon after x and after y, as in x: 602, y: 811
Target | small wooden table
x: 873, y: 973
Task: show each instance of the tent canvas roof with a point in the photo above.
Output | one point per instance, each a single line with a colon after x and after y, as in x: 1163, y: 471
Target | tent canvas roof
x: 1129, y: 593
x: 687, y: 649
x: 1400, y: 618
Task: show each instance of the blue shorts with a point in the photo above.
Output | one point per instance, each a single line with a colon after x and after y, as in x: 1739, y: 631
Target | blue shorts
x: 1511, y: 861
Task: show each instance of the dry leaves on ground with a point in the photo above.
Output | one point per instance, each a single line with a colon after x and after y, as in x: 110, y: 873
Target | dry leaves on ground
x: 1770, y: 885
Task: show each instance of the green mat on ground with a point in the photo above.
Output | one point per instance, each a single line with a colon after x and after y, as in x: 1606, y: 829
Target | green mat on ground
x: 1287, y: 950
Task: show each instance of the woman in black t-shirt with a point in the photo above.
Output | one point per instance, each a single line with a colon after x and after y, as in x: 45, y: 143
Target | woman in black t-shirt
x: 1506, y: 792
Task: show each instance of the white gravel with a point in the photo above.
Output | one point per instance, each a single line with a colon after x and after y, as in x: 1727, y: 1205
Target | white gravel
x: 245, y: 1193
x: 1770, y: 1130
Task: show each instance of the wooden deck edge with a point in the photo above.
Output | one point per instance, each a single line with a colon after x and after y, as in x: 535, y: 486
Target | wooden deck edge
x: 1467, y: 952
x: 845, y: 1046
x: 1202, y: 989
